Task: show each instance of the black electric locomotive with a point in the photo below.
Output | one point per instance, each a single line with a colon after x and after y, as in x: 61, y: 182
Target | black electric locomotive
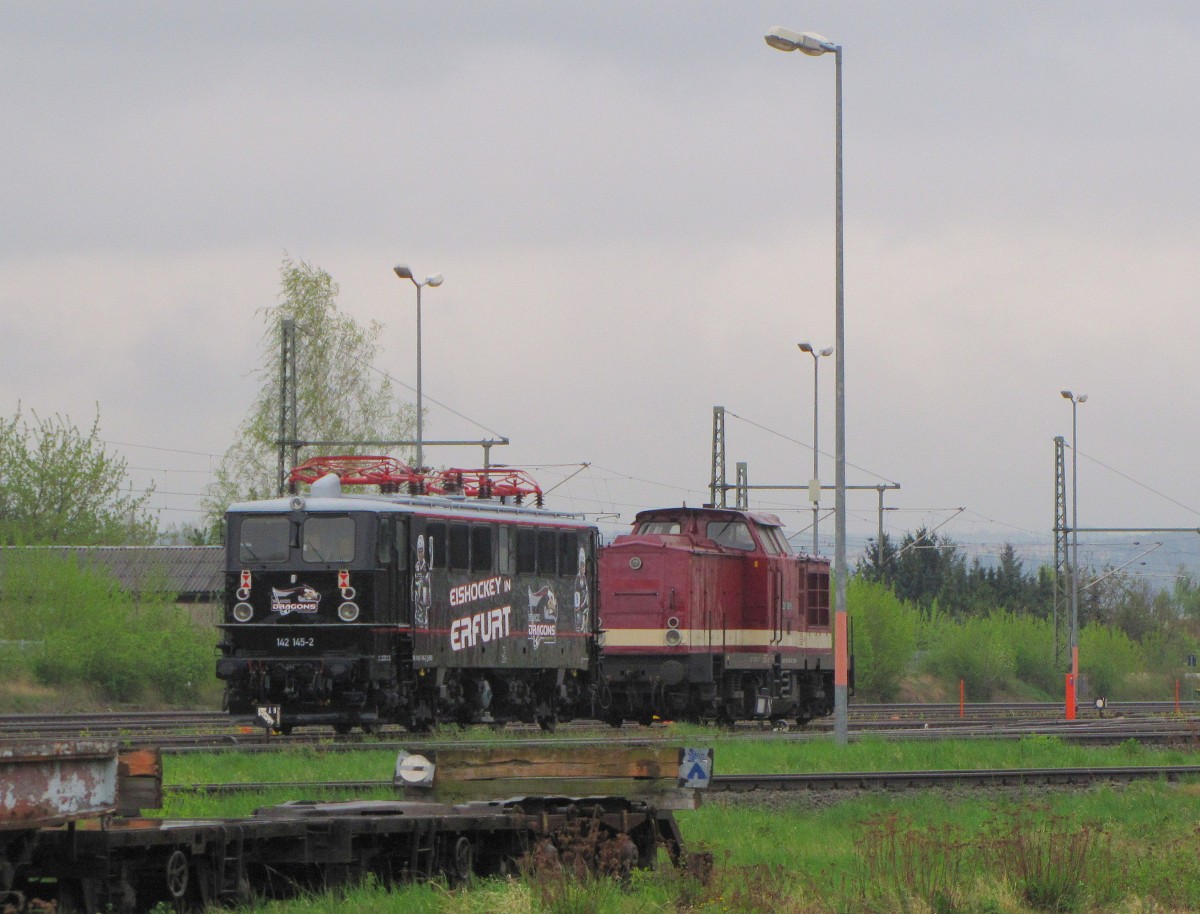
x: 434, y: 600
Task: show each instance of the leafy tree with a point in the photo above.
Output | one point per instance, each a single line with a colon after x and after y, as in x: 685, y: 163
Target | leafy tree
x: 59, y: 484
x: 885, y: 638
x: 1185, y: 595
x: 338, y: 397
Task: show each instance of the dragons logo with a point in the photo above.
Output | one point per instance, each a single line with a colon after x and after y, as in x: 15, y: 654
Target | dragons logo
x: 301, y: 599
x: 543, y: 616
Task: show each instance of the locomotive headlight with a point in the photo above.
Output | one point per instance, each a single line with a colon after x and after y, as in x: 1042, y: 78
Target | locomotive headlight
x: 673, y: 637
x: 348, y: 611
x: 243, y: 612
x: 635, y: 563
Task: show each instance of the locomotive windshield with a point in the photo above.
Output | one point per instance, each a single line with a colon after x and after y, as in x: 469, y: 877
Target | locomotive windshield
x: 264, y: 539
x: 659, y: 526
x: 328, y: 539
x: 732, y: 533
x: 773, y: 540
x: 322, y: 539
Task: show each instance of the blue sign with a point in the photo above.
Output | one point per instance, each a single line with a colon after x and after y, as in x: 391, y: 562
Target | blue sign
x: 695, y: 768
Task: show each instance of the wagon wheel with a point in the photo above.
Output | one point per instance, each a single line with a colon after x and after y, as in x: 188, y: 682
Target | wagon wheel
x: 464, y: 859
x: 177, y: 874
x: 342, y: 728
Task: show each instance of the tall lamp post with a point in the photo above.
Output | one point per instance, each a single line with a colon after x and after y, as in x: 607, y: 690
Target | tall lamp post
x: 1075, y: 401
x: 814, y: 486
x: 815, y: 45
x: 435, y: 280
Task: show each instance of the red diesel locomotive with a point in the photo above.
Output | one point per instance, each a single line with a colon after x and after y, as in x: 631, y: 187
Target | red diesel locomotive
x: 707, y: 614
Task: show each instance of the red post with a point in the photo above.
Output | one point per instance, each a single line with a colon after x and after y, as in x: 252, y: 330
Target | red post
x: 1070, y: 697
x: 962, y: 698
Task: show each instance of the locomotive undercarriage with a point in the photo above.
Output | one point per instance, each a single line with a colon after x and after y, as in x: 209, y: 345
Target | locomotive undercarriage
x: 495, y: 696
x: 657, y: 688
x: 340, y: 690
x: 349, y: 691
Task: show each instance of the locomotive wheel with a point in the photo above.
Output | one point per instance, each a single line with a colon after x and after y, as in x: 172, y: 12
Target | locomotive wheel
x: 341, y: 728
x: 370, y: 729
x: 548, y: 723
x: 176, y: 872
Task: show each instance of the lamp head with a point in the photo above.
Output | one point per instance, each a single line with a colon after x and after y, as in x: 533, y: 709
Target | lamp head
x: 402, y: 270
x: 828, y: 350
x: 809, y: 43
x: 435, y: 280
x: 805, y: 347
x: 1067, y: 395
x: 1082, y: 398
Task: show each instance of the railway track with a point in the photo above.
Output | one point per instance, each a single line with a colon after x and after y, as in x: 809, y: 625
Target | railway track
x: 213, y: 731
x: 805, y: 782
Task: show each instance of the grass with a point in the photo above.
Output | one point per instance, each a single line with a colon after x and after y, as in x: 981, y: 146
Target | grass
x: 740, y: 756
x: 1107, y: 850
x: 1128, y: 850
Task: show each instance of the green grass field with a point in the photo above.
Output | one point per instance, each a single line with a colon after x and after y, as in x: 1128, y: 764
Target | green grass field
x: 1105, y: 849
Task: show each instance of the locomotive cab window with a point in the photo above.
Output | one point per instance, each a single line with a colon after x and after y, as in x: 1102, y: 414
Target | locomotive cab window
x: 771, y: 540
x: 264, y: 539
x: 732, y: 533
x: 390, y: 544
x: 659, y: 526
x: 327, y: 539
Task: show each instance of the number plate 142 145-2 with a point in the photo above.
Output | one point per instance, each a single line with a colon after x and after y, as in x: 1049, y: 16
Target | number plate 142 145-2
x: 295, y: 642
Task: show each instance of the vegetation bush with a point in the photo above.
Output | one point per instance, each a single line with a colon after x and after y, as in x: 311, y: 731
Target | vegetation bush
x: 1107, y: 657
x: 76, y: 625
x: 885, y: 639
x: 977, y: 651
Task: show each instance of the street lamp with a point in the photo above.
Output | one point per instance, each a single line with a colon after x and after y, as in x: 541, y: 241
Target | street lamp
x: 1075, y: 401
x: 435, y: 280
x: 814, y: 486
x: 815, y: 45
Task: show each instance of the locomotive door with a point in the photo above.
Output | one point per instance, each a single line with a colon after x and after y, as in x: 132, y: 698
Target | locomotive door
x: 393, y: 558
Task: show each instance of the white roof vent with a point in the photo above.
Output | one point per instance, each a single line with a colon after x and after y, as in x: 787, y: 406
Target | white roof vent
x: 328, y: 486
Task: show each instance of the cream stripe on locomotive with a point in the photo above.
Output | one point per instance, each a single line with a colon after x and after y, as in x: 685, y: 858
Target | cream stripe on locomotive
x: 700, y: 637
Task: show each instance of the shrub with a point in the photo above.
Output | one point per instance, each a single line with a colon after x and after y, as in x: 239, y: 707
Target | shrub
x: 83, y: 628
x: 885, y: 638
x: 977, y: 651
x: 1107, y: 657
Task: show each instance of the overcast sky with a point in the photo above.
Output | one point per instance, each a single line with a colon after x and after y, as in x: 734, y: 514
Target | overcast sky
x: 633, y: 207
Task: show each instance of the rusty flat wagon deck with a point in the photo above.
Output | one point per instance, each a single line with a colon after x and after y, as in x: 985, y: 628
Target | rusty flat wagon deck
x: 64, y: 841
